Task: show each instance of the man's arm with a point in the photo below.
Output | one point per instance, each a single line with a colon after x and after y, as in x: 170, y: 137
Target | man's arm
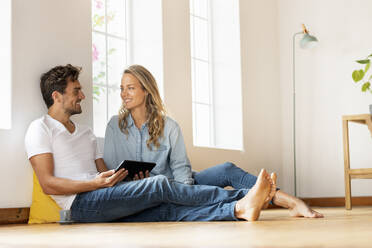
x: 43, y: 166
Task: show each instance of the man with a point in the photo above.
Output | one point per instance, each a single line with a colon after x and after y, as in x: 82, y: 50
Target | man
x: 70, y: 168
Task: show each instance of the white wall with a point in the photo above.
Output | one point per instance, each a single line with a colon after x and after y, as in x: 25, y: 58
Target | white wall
x: 5, y: 65
x: 261, y: 88
x: 325, y: 92
x: 45, y: 33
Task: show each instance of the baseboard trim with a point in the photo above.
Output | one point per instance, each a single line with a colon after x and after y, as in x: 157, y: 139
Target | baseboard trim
x: 14, y: 215
x: 338, y: 201
x: 20, y: 215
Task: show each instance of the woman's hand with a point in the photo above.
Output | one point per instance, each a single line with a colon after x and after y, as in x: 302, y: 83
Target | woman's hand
x: 141, y: 175
x: 110, y: 178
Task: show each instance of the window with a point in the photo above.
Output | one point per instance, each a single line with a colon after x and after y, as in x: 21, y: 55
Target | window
x: 5, y: 65
x: 124, y: 32
x: 109, y: 55
x: 202, y: 99
x: 216, y: 74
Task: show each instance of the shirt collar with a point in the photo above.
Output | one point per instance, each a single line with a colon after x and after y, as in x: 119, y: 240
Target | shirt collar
x: 131, y: 122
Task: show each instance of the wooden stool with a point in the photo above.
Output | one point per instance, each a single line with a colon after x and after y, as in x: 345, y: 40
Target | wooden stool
x: 353, y: 173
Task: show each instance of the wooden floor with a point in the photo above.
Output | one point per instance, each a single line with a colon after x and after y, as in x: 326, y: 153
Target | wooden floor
x: 339, y: 228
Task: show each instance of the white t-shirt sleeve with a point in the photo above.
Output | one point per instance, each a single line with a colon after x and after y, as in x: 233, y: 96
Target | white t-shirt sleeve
x: 37, y: 139
x: 99, y: 153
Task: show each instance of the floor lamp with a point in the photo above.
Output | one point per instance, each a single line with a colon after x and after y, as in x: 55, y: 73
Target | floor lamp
x: 306, y: 42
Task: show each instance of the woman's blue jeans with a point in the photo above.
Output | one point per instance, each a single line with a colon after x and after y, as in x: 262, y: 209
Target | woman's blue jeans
x: 223, y: 175
x: 156, y: 199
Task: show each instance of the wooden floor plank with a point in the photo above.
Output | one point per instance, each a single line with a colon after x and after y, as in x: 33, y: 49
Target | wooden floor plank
x: 339, y: 228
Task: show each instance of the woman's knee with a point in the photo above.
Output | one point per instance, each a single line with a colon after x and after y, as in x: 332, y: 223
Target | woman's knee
x: 228, y: 166
x: 160, y: 179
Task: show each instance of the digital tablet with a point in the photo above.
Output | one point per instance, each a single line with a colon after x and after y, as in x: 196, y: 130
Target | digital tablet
x: 134, y: 167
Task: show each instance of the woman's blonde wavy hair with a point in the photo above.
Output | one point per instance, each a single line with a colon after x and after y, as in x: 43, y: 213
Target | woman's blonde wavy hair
x: 154, y: 105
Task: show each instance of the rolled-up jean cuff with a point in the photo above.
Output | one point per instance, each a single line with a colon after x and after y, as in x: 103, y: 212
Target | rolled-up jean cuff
x: 271, y: 202
x: 232, y: 210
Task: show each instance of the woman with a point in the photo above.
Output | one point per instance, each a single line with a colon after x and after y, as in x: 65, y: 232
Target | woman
x: 143, y: 132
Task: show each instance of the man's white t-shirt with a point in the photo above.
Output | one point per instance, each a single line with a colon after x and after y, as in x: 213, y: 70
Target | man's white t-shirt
x: 74, y: 154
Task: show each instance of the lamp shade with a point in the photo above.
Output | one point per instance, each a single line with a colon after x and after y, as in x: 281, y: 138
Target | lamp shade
x: 308, y: 41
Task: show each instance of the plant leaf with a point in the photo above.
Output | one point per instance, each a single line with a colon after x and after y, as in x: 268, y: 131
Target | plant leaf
x: 363, y: 61
x: 367, y: 68
x: 366, y: 86
x: 111, y: 51
x: 358, y: 75
x: 369, y: 55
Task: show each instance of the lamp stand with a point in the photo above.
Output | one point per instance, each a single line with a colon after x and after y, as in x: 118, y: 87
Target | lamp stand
x: 294, y: 112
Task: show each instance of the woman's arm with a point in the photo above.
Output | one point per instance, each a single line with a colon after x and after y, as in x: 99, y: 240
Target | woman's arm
x: 179, y: 162
x: 109, y: 153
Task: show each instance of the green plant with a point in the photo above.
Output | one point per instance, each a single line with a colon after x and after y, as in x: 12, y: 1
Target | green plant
x: 359, y: 75
x: 97, y: 92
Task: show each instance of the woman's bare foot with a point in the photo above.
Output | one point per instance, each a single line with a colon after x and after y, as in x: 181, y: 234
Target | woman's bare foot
x: 297, y: 208
x: 273, y: 178
x: 300, y: 209
x: 249, y: 207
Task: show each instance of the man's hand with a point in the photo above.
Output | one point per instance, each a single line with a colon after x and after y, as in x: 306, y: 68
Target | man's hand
x: 110, y: 178
x: 141, y: 175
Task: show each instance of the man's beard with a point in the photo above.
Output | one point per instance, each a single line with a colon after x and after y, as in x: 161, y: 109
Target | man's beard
x: 73, y: 111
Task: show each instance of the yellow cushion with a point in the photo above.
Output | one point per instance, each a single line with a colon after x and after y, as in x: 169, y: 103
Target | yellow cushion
x: 43, y: 208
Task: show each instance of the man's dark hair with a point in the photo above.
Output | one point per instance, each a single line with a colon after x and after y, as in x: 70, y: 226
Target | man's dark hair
x: 56, y: 79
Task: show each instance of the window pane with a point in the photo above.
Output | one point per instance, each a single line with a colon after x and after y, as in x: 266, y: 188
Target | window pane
x: 116, y: 60
x: 201, y: 8
x: 116, y: 17
x: 194, y: 133
x: 201, y: 38
x: 201, y: 84
x: 193, y: 80
x: 192, y: 3
x: 99, y: 110
x: 99, y: 58
x: 202, y: 123
x: 98, y: 15
x: 192, y: 36
x: 114, y: 102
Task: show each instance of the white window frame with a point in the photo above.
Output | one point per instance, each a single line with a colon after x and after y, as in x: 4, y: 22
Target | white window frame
x: 219, y: 130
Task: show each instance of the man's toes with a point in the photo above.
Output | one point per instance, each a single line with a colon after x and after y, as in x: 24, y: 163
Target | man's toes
x: 273, y: 177
x: 262, y: 174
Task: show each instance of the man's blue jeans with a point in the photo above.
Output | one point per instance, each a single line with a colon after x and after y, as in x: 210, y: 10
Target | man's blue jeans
x: 156, y: 199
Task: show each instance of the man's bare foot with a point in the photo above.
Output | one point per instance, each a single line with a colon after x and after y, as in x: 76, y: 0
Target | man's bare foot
x: 249, y: 207
x: 300, y: 209
x: 273, y: 178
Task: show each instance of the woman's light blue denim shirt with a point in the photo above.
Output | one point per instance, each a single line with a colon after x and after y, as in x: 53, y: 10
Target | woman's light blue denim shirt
x: 170, y: 157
